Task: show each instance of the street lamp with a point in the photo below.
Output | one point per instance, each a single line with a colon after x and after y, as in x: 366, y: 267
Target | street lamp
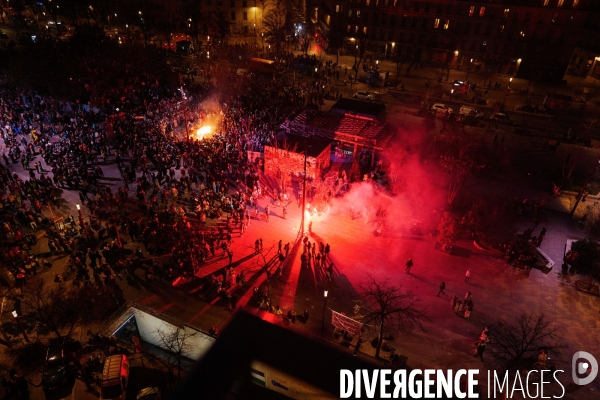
x: 469, y: 70
x: 304, y: 190
x: 81, y: 220
x: 324, y: 309
x: 18, y: 321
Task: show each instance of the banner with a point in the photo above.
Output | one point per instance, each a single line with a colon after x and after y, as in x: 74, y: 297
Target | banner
x: 340, y: 321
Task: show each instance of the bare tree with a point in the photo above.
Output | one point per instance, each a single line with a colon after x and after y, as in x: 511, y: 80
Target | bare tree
x: 274, y: 23
x: 177, y: 344
x: 515, y: 345
x: 389, y: 307
x: 62, y: 309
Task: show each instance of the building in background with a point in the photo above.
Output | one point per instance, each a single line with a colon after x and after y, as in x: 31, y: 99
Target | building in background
x: 529, y: 39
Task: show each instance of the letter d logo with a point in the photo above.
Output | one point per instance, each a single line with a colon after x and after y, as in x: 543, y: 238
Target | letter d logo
x: 581, y: 367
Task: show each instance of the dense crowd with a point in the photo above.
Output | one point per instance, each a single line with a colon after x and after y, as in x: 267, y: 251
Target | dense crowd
x: 168, y: 186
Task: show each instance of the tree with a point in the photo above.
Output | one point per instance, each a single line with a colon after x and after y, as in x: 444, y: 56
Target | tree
x: 389, y: 307
x: 515, y: 345
x: 337, y: 34
x: 274, y: 24
x: 591, y: 222
x: 458, y: 160
x: 222, y: 26
x: 176, y: 342
x: 191, y: 12
x: 61, y: 309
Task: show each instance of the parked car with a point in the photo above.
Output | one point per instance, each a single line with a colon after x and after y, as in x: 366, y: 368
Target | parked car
x: 55, y: 371
x: 363, y: 95
x: 501, y: 117
x: 440, y: 108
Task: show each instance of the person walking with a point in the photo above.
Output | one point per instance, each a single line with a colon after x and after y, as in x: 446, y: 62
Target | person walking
x: 480, y: 348
x: 468, y: 275
x: 284, y: 211
x: 409, y: 265
x: 442, y: 287
x: 267, y: 212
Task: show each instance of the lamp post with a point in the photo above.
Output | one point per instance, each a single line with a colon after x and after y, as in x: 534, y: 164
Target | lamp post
x: 303, y: 191
x: 324, y: 309
x: 469, y: 70
x: 183, y: 97
x: 16, y: 315
x: 81, y: 220
x: 262, y: 38
x: 580, y: 194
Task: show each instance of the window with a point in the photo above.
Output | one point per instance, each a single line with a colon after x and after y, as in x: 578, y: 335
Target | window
x: 575, y: 3
x: 393, y: 20
x: 356, y: 29
x: 233, y: 15
x: 357, y: 13
x: 375, y: 18
x: 383, y: 19
x: 549, y: 36
x: 482, y: 11
x: 233, y: 4
x: 467, y: 27
x: 365, y: 30
x: 477, y: 27
x: 245, y: 14
x: 546, y: 3
x: 560, y: 3
x: 244, y: 4
x: 349, y: 13
x: 425, y: 22
x: 413, y: 23
x: 555, y: 18
x: 337, y: 8
x: 367, y: 2
x: 501, y: 28
x: 348, y: 28
x: 488, y: 30
x: 395, y: 3
x: 471, y: 11
x: 427, y: 5
x: 436, y: 23
x: 506, y: 10
x: 527, y: 16
x: 446, y: 24
x: 403, y: 22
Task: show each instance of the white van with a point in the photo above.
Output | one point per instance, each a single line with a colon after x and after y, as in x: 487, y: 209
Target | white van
x: 115, y: 378
x: 467, y: 111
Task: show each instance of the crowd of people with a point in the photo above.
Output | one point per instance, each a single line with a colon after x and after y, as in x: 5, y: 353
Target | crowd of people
x: 170, y: 184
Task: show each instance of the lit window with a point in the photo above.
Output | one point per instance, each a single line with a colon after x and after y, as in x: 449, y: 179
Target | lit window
x: 349, y: 13
x: 555, y: 18
x: 560, y: 3
x: 471, y: 11
x: 337, y: 8
x: 436, y: 23
x: 446, y: 24
x: 348, y: 29
x: 395, y: 3
x: 481, y: 11
x: 368, y: 2
x: 357, y: 13
x: 485, y: 43
x: 365, y: 30
x: 506, y: 10
x: 356, y: 29
x: 575, y: 3
x: 546, y: 3
x: 501, y: 28
x: 522, y: 33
